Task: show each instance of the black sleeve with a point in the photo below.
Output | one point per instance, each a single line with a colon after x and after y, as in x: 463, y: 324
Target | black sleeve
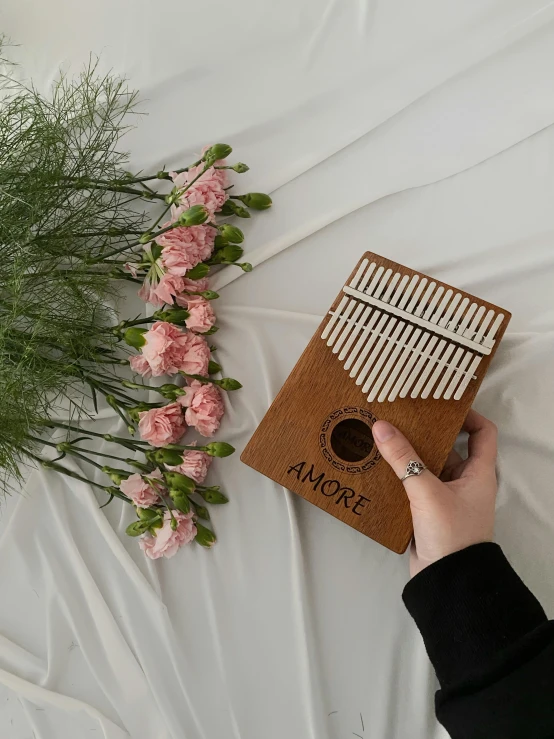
x: 490, y: 643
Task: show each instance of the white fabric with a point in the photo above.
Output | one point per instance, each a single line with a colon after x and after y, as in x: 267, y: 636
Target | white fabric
x: 422, y: 131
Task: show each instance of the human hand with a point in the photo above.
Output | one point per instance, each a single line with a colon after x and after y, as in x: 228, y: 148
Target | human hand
x: 457, y: 510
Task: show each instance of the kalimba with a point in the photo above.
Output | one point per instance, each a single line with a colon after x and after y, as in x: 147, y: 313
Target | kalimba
x: 395, y: 345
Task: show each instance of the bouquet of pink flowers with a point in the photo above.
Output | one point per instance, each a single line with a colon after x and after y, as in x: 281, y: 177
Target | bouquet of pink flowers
x: 70, y: 231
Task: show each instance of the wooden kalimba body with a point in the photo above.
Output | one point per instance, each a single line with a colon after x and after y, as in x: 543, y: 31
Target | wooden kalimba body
x: 395, y: 345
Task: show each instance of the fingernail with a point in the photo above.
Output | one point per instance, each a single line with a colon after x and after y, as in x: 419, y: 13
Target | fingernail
x: 383, y: 431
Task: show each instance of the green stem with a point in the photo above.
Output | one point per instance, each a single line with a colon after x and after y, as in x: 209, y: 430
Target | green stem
x: 107, y: 437
x: 153, y: 237
x: 64, y: 471
x: 115, y: 188
x: 162, y: 214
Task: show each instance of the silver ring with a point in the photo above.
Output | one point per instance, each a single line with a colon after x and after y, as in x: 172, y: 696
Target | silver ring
x: 413, y: 469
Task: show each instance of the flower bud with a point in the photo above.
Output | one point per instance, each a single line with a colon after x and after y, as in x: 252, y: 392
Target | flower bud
x: 228, y: 384
x: 162, y: 175
x: 172, y: 197
x: 233, y: 234
x: 213, y: 367
x: 240, y: 167
x: 152, y: 516
x: 168, y: 456
x: 179, y: 483
x: 230, y: 208
x: 171, y: 392
x: 134, y: 413
x: 204, y: 536
x: 115, y: 475
x: 231, y: 253
x: 245, y: 266
x: 219, y: 449
x: 136, y: 528
x: 178, y: 316
x: 173, y: 523
x: 255, y: 200
x: 194, y: 216
x: 209, y: 295
x: 202, y: 512
x: 219, y: 242
x: 214, y: 497
x: 138, y: 465
x: 180, y: 501
x: 216, y: 152
x: 196, y: 273
x: 134, y: 337
x: 145, y: 238
x: 155, y: 252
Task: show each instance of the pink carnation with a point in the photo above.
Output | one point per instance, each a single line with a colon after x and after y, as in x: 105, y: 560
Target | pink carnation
x: 205, y: 408
x: 202, y: 316
x: 141, y: 492
x: 148, y: 293
x: 168, y: 287
x: 194, y: 286
x: 161, y: 426
x: 208, y: 190
x: 168, y: 350
x: 185, y: 247
x: 140, y: 365
x: 166, y: 542
x: 195, y: 465
x: 196, y: 357
x: 165, y: 348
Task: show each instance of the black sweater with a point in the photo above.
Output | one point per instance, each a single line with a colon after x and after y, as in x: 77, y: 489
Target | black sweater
x: 490, y: 643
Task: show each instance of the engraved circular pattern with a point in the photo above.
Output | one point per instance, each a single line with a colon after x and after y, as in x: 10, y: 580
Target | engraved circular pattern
x: 336, y: 417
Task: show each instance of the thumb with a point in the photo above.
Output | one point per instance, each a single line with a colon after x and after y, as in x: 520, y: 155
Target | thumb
x: 398, y: 452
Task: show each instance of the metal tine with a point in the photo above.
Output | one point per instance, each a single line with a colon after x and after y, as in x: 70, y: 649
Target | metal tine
x: 387, y: 348
x: 427, y: 365
x: 397, y: 364
x: 373, y: 355
x: 371, y: 339
x: 334, y: 317
x: 350, y: 324
x: 356, y: 328
x: 377, y: 286
x: 449, y: 370
x: 450, y: 310
x: 458, y: 375
x: 416, y: 296
x: 364, y: 337
x: 472, y: 329
x: 399, y: 290
x: 340, y: 323
x: 390, y: 288
x: 430, y: 310
x: 484, y: 326
x: 380, y: 289
x: 439, y: 366
x: 391, y: 356
x: 374, y: 281
x: 451, y: 325
x: 409, y: 290
x: 467, y: 378
x: 468, y: 315
x: 405, y: 382
x: 425, y: 299
x: 489, y: 338
x: 354, y: 282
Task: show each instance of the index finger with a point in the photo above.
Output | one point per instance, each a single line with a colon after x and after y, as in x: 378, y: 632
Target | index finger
x: 481, y: 444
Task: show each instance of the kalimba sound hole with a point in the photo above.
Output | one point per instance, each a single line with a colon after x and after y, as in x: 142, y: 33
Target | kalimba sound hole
x: 352, y: 440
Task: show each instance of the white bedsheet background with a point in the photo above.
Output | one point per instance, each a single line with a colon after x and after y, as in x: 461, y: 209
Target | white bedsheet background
x: 422, y: 131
